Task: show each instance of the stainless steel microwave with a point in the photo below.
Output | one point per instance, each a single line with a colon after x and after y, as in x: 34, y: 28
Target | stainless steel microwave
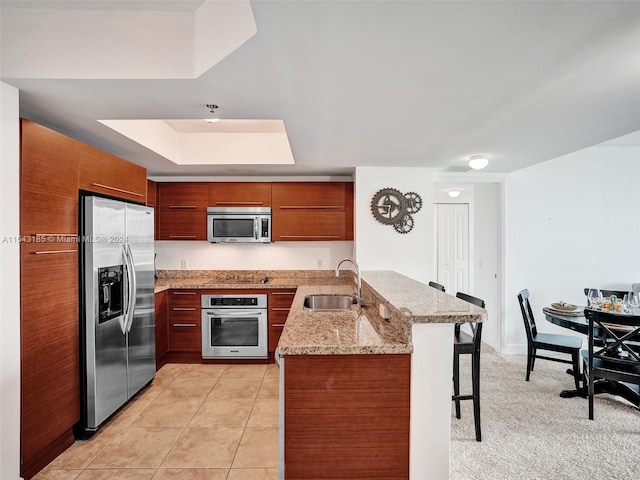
x: 239, y: 224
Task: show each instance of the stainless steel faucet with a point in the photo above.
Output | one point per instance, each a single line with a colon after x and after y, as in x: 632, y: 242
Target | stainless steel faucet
x: 359, y: 294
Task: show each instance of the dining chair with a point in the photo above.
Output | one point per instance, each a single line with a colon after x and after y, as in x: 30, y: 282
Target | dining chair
x: 437, y: 286
x: 548, y: 341
x: 465, y: 343
x: 607, y: 293
x: 618, y: 358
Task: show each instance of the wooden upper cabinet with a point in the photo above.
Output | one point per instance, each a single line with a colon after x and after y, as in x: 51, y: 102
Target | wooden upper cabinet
x: 182, y: 210
x: 152, y: 193
x: 240, y: 194
x: 49, y: 182
x: 104, y: 173
x: 312, y: 211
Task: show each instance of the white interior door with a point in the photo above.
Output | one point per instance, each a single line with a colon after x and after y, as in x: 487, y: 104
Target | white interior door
x: 453, y: 246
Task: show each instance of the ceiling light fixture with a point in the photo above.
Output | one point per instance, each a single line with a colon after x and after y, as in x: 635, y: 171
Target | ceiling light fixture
x: 211, y: 120
x: 212, y: 108
x: 478, y: 162
x: 453, y: 193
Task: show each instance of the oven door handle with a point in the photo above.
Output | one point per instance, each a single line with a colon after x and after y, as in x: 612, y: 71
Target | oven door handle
x: 234, y: 313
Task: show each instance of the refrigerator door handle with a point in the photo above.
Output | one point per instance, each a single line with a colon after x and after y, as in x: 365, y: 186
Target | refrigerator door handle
x: 130, y: 291
x: 133, y: 288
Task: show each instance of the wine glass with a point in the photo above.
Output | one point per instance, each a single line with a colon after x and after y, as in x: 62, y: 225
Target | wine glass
x: 594, y: 298
x: 633, y: 302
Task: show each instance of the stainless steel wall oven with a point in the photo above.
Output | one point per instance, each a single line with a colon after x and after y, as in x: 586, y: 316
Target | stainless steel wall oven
x: 234, y: 326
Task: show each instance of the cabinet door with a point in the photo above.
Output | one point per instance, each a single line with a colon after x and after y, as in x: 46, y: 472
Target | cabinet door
x: 184, y: 321
x: 49, y: 182
x: 312, y: 211
x: 279, y: 306
x: 104, y: 173
x: 182, y: 211
x: 240, y: 194
x: 162, y: 328
x: 50, y: 372
x: 50, y: 401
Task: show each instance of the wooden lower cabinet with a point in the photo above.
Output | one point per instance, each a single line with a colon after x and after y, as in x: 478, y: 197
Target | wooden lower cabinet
x: 184, y: 325
x: 50, y: 388
x: 279, y: 306
x: 346, y: 416
x: 162, y: 328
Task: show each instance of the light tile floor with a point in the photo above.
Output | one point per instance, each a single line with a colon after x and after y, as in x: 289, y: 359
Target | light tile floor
x: 195, y: 422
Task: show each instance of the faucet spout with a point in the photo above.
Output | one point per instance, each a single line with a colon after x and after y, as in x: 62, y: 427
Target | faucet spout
x: 359, y: 280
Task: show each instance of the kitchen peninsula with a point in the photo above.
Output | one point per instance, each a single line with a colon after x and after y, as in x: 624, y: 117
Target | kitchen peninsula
x: 367, y: 391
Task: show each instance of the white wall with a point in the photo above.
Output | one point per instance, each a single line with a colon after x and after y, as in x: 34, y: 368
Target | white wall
x: 9, y: 284
x: 571, y: 222
x: 380, y: 247
x: 274, y: 256
x: 484, y: 200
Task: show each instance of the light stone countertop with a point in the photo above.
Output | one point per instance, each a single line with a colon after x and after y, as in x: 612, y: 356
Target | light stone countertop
x: 361, y: 330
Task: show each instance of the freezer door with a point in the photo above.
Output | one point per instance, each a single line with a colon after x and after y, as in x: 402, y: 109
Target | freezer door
x: 141, y: 336
x: 105, y: 348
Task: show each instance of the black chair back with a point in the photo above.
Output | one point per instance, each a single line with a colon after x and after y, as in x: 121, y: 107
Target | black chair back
x: 617, y: 356
x: 476, y: 328
x: 437, y: 286
x: 527, y: 315
x: 607, y: 293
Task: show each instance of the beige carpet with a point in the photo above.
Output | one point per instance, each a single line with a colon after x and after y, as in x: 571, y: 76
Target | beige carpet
x: 529, y: 432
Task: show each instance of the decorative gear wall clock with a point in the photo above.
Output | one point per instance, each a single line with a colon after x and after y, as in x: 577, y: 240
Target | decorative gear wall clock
x: 391, y: 207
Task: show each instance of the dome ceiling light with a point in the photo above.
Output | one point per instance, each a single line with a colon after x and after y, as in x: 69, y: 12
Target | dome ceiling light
x: 453, y: 193
x: 478, y: 162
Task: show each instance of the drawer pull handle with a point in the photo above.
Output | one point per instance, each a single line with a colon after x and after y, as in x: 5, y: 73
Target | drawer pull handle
x: 183, y: 236
x: 184, y: 293
x: 309, y: 207
x: 183, y: 206
x: 118, y: 190
x: 281, y: 309
x: 55, y: 234
x: 183, y: 309
x: 278, y: 325
x: 309, y: 236
x: 184, y: 325
x: 48, y: 252
x: 283, y: 293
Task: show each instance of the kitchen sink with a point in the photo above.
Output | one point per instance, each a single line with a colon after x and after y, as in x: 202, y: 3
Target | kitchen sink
x: 328, y: 303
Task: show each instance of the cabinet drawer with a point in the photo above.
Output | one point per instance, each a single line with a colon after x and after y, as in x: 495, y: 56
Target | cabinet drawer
x: 185, y: 336
x: 182, y: 298
x: 281, y: 298
x: 274, y: 337
x: 278, y: 317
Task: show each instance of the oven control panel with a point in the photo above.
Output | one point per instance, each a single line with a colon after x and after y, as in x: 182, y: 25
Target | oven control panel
x: 234, y: 301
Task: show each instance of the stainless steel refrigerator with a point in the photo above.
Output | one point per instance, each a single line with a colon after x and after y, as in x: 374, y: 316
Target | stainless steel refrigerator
x: 117, y: 327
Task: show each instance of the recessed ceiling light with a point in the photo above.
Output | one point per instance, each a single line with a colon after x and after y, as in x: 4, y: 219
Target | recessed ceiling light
x: 478, y: 162
x: 211, y: 120
x: 453, y: 193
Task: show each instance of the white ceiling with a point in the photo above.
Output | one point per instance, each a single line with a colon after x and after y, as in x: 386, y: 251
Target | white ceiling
x: 381, y: 83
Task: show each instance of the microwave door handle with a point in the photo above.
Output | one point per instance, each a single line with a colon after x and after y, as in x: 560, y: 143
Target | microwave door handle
x: 255, y: 228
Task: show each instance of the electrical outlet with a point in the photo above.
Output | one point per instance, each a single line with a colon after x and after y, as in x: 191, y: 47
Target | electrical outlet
x: 183, y: 264
x: 320, y: 263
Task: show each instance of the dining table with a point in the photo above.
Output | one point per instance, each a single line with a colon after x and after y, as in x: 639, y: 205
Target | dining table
x: 576, y: 321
